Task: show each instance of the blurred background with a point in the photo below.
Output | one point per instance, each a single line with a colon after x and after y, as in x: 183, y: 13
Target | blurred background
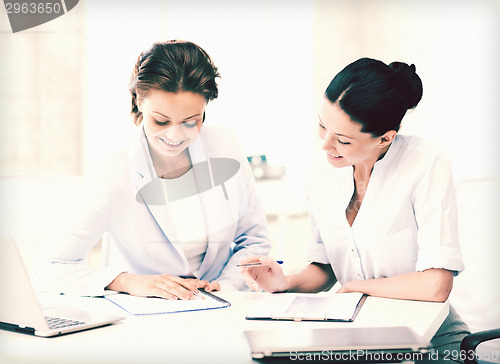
x: 64, y: 84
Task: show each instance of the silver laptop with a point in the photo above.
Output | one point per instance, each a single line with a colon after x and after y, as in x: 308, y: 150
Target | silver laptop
x: 20, y: 310
x: 335, y: 343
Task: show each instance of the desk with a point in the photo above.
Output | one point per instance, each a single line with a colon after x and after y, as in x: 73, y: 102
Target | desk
x: 214, y: 336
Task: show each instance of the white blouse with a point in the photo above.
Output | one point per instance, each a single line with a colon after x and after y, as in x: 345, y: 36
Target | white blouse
x: 407, y: 221
x: 185, y: 221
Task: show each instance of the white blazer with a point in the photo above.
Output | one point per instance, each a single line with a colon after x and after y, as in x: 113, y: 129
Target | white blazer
x: 236, y: 226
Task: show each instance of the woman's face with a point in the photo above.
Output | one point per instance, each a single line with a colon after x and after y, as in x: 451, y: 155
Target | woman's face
x: 343, y: 141
x: 172, y: 121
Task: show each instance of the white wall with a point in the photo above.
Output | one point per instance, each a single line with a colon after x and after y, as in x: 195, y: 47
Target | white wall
x: 276, y: 59
x: 116, y: 33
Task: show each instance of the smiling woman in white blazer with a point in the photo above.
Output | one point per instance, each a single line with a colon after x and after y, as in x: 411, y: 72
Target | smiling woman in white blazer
x: 180, y: 205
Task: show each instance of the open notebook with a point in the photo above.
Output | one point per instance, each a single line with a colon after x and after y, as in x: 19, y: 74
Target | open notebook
x: 309, y: 307
x: 152, y: 305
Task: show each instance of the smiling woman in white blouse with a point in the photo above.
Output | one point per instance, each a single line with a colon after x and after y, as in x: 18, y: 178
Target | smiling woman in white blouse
x: 382, y: 204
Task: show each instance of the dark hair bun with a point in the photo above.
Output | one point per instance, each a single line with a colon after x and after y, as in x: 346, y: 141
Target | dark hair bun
x: 408, y: 75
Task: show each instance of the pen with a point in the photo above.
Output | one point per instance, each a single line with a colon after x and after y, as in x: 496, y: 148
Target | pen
x: 256, y: 264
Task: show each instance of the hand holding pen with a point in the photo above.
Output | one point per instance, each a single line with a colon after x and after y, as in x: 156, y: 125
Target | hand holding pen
x: 263, y: 273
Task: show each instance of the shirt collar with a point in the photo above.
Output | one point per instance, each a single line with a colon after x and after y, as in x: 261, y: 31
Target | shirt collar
x: 391, y: 152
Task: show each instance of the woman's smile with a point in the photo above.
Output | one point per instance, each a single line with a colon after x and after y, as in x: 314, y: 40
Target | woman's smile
x: 333, y: 156
x: 172, y: 145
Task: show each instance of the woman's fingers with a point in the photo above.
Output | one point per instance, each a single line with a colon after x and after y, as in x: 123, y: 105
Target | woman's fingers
x: 254, y: 274
x: 184, y: 288
x: 212, y: 286
x: 163, y: 293
x: 188, y: 283
x: 263, y: 273
x: 251, y: 275
x: 252, y: 284
x: 197, y: 284
x: 171, y: 287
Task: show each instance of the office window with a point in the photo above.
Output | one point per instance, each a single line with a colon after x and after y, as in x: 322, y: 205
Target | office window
x: 41, y: 94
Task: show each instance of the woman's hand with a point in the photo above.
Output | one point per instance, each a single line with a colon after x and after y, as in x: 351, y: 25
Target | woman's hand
x: 344, y: 289
x: 207, y: 286
x: 433, y: 284
x: 162, y: 285
x: 269, y: 276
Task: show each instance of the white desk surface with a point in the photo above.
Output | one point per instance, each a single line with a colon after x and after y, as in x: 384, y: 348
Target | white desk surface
x: 214, y: 336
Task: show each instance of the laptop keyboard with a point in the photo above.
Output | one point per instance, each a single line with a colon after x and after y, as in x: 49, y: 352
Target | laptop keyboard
x: 57, y: 322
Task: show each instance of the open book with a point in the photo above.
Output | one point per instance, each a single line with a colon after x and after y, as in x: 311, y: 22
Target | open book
x: 153, y: 305
x: 309, y: 307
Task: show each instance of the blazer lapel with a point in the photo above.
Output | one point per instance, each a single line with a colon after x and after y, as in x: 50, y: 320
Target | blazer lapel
x: 216, y: 209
